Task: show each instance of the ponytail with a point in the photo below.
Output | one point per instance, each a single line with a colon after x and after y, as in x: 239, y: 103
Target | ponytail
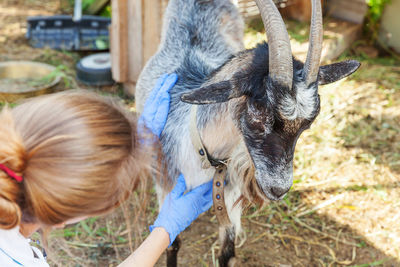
x: 12, y: 155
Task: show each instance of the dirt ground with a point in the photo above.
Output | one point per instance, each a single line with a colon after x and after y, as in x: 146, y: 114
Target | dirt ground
x: 343, y: 209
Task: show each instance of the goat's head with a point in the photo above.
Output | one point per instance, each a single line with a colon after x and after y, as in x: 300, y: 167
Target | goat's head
x: 277, y: 96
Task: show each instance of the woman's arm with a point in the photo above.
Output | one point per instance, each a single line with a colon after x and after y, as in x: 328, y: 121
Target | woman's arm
x: 178, y: 211
x: 150, y: 250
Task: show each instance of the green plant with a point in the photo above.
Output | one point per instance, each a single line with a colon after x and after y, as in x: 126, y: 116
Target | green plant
x: 104, y: 12
x: 85, y: 3
x: 65, y: 73
x: 373, y: 18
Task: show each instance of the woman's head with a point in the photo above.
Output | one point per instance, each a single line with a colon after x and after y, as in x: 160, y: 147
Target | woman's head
x: 78, y: 155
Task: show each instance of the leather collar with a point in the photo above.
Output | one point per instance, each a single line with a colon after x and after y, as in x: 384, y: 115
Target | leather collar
x: 206, y: 162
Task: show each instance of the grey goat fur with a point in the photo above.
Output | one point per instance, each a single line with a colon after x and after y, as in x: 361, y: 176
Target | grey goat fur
x: 245, y: 115
x: 197, y: 36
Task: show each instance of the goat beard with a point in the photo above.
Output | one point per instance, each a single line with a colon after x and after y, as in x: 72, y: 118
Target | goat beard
x: 240, y: 166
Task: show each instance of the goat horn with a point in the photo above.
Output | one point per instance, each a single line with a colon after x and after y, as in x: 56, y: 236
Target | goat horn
x: 280, y: 53
x: 311, y: 67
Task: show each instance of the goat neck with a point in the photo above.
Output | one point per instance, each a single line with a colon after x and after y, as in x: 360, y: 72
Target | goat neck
x: 217, y: 129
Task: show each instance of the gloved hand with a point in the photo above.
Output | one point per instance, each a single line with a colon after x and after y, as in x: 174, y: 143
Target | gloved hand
x: 156, y: 108
x: 180, y: 210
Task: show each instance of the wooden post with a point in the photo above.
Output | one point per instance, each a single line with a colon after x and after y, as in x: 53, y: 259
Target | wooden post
x: 135, y: 36
x: 119, y: 40
x: 152, y: 12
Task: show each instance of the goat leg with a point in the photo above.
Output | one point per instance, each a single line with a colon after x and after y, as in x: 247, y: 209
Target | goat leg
x: 226, y: 257
x: 172, y: 253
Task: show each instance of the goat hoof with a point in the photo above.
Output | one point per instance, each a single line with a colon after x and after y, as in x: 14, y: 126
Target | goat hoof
x: 232, y: 262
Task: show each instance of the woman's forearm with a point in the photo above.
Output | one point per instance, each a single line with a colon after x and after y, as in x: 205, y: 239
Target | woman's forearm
x: 181, y: 210
x: 150, y: 250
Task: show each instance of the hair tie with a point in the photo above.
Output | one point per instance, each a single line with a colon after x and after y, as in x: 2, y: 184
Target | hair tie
x: 11, y: 173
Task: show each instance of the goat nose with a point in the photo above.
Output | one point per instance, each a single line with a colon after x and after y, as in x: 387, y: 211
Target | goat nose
x: 279, y: 191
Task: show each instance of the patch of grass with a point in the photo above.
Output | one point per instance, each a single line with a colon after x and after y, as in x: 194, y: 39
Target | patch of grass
x: 298, y: 31
x: 362, y: 244
x: 375, y: 263
x: 385, y: 71
x: 64, y: 61
x: 56, y: 58
x: 255, y: 32
x: 357, y: 188
x: 60, y: 71
x: 382, y: 72
x: 11, y: 105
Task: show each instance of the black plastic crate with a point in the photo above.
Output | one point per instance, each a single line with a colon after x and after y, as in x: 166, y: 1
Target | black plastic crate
x: 62, y: 32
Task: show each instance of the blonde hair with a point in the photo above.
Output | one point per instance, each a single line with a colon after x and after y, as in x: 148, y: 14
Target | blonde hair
x: 78, y: 154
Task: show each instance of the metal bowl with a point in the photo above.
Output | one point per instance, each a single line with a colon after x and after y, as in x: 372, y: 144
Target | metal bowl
x: 21, y: 79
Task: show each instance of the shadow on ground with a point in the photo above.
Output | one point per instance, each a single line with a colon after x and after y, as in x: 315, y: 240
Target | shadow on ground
x: 279, y: 239
x: 378, y: 137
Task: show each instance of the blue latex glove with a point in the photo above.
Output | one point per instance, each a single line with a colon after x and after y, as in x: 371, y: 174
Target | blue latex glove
x: 155, y: 112
x: 180, y: 210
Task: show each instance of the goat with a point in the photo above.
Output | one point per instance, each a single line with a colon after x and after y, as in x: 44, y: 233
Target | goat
x: 252, y: 104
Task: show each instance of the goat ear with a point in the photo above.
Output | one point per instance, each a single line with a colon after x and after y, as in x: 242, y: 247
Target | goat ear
x: 214, y: 93
x: 337, y: 71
